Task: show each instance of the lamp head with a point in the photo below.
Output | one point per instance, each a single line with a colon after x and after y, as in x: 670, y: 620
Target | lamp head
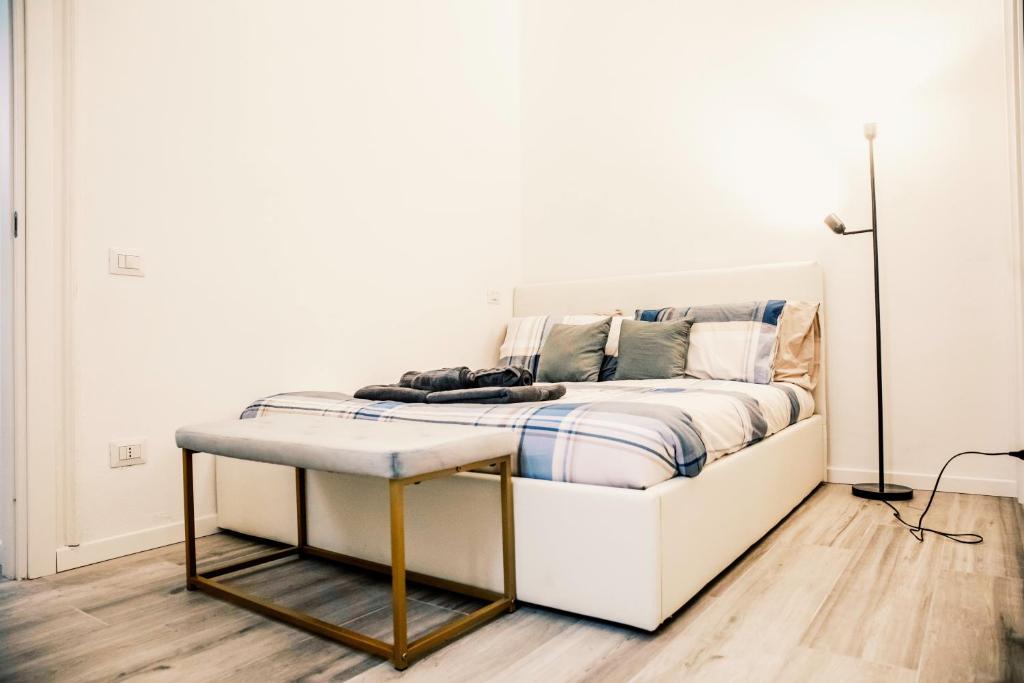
x: 835, y: 223
x: 870, y: 130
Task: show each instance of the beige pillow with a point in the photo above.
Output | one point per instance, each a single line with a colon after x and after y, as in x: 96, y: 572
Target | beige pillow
x: 798, y: 345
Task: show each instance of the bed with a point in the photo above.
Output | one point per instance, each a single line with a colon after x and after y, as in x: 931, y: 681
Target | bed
x: 622, y: 513
x: 631, y: 434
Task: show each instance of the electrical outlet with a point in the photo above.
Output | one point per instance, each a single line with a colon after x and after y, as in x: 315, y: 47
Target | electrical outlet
x: 126, y: 452
x: 494, y: 297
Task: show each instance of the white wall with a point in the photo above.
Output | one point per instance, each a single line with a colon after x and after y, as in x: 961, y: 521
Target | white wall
x: 322, y: 192
x: 671, y: 135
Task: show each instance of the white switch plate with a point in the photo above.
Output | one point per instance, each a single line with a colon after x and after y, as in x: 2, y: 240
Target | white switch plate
x: 125, y: 262
x: 125, y: 452
x: 494, y: 297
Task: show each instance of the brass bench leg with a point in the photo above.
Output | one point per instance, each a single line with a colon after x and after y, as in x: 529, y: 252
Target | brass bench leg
x: 399, y: 657
x: 190, y: 520
x: 301, y: 541
x: 508, y: 533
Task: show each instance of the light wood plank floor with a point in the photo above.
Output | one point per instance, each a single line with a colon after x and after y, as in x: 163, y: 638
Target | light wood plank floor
x: 836, y: 592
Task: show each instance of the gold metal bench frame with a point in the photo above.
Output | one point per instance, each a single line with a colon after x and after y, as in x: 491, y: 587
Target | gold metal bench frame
x: 401, y: 652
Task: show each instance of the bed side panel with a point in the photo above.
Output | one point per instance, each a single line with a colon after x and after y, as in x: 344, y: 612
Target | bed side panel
x: 710, y: 520
x: 592, y: 550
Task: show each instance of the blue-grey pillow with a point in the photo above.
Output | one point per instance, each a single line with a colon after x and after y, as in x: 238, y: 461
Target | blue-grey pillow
x: 573, y: 353
x: 653, y: 350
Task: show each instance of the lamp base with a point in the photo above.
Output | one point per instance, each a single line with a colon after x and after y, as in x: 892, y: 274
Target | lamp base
x: 890, y: 492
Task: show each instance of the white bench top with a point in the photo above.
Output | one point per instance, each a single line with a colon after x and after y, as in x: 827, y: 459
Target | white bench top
x: 394, y: 450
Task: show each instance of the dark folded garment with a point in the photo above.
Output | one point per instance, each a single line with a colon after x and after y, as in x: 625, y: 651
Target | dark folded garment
x: 444, y: 379
x: 547, y: 392
x: 392, y: 392
x: 510, y: 376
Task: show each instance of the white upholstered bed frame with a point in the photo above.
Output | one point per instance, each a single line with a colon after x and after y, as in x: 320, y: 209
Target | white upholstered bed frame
x: 633, y: 557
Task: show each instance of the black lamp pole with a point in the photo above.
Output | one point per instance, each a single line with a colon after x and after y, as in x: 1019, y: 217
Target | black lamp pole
x: 881, y: 490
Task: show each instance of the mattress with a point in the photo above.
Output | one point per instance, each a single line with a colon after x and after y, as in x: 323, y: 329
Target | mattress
x: 628, y: 434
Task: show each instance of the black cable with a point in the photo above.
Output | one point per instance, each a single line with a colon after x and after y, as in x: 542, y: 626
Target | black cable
x: 919, y: 530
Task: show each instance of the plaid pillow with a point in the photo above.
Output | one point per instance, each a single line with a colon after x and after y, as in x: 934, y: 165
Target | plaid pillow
x: 525, y: 336
x: 732, y: 341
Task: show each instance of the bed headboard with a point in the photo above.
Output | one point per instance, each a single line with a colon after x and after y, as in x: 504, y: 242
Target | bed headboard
x: 795, y: 281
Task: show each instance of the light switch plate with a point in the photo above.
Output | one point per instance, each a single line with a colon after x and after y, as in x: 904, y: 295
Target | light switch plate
x: 494, y: 297
x: 125, y: 452
x: 125, y: 262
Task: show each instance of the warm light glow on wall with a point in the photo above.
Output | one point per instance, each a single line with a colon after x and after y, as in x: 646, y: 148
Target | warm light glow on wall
x: 866, y: 70
x: 777, y: 165
x: 787, y: 149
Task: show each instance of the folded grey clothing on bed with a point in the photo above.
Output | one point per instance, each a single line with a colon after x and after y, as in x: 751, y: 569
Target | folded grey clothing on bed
x: 510, y: 376
x: 448, y: 379
x: 444, y: 379
x: 547, y: 392
x: 392, y: 392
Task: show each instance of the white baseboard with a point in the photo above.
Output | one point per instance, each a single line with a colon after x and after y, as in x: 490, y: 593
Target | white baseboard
x: 147, y: 539
x: 1020, y: 482
x: 988, y: 487
x: 134, y: 542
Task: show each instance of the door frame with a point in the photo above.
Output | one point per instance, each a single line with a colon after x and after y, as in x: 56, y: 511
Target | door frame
x: 7, y: 245
x: 43, y: 460
x: 1014, y: 21
x: 43, y: 456
x: 13, y: 487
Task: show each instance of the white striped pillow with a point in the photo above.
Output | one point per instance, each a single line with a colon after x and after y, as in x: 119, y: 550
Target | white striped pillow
x: 526, y: 335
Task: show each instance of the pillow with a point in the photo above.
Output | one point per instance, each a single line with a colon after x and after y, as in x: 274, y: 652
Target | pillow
x: 573, y: 353
x: 611, y: 349
x: 731, y: 341
x: 653, y: 350
x: 798, y: 346
x: 525, y: 336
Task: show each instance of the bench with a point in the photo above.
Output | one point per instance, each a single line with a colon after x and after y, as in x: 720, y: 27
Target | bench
x: 404, y: 453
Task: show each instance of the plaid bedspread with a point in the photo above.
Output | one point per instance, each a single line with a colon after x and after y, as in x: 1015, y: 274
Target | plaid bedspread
x: 629, y: 434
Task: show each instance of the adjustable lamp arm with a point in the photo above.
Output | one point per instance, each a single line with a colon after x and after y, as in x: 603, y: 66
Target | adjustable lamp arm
x: 834, y: 222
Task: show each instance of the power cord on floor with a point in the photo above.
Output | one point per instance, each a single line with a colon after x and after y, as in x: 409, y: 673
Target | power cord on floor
x: 919, y: 530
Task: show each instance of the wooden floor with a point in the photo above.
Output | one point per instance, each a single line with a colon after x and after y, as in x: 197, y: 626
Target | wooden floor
x: 837, y: 592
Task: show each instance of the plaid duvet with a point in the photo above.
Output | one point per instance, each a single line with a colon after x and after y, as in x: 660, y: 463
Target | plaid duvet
x: 629, y: 434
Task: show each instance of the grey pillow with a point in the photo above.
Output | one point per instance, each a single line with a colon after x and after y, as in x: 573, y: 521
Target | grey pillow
x: 650, y: 350
x: 573, y: 353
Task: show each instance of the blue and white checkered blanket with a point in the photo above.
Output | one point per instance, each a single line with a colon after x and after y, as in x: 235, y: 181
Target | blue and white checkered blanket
x: 629, y: 434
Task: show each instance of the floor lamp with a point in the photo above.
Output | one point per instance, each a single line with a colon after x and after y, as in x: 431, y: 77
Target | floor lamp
x: 880, y: 490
